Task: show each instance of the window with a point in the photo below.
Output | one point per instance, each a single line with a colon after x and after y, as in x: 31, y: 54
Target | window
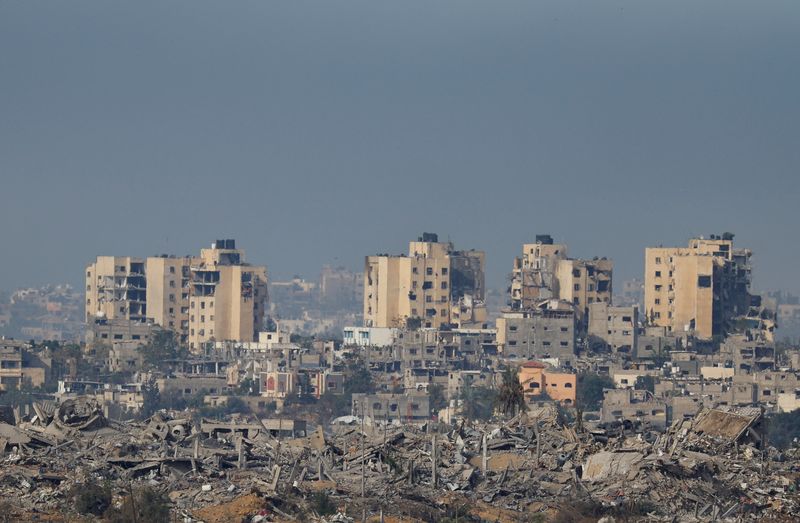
x: 429, y: 271
x: 658, y: 274
x: 704, y: 281
x: 565, y: 344
x: 576, y: 300
x: 577, y: 286
x: 443, y: 312
x: 512, y: 342
x: 658, y: 301
x: 414, y: 270
x: 658, y: 288
x: 444, y: 285
x: 564, y: 329
x: 546, y: 343
x: 136, y: 337
x: 658, y: 260
x: 568, y: 385
x: 172, y: 270
x: 512, y: 328
x: 172, y: 283
x: 428, y: 299
x: 444, y: 271
x: 202, y: 305
x: 657, y: 314
x: 576, y: 273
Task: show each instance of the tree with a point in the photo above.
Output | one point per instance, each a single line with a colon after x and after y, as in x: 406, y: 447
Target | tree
x: 161, y: 349
x: 510, y: 397
x: 477, y: 403
x: 647, y: 383
x: 146, y: 504
x: 783, y: 428
x: 91, y: 498
x: 436, y: 395
x: 359, y: 379
x: 590, y: 390
x: 152, y: 398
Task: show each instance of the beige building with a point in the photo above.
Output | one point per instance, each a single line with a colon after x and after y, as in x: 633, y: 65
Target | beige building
x: 228, y: 297
x: 698, y: 288
x: 544, y: 271
x: 216, y: 296
x: 424, y: 288
x: 617, y: 326
x: 168, y: 292
x: 116, y: 289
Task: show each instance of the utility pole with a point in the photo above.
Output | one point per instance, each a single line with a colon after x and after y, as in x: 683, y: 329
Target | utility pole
x: 363, y: 467
x: 433, y: 459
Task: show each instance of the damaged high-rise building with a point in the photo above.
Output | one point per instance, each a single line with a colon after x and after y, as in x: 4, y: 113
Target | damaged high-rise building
x: 425, y: 288
x: 215, y: 296
x: 544, y: 271
x: 700, y: 288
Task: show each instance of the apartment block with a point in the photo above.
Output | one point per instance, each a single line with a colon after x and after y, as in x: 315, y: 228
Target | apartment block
x: 405, y: 408
x: 228, y: 297
x: 617, y: 326
x: 544, y: 271
x: 421, y: 289
x: 538, y: 333
x: 537, y: 379
x: 168, y: 291
x: 216, y: 296
x: 699, y: 288
x: 116, y: 289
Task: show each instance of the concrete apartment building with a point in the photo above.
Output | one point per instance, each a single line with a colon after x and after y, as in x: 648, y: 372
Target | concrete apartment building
x: 168, y: 293
x: 421, y: 289
x: 544, y: 271
x: 697, y: 288
x: 116, y: 289
x: 216, y: 296
x: 617, y: 326
x: 538, y: 333
x: 228, y: 297
x: 411, y: 407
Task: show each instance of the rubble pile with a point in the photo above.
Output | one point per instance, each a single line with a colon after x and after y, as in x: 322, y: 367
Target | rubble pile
x: 712, y: 467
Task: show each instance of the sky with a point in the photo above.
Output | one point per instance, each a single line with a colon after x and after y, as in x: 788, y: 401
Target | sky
x: 320, y: 132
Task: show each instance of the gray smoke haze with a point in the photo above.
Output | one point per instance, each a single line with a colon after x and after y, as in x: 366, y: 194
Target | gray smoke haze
x: 320, y: 132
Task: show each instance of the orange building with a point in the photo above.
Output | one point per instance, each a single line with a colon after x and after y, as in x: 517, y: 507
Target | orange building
x: 535, y: 379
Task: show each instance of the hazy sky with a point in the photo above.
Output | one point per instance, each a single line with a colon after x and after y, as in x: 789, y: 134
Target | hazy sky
x: 320, y: 132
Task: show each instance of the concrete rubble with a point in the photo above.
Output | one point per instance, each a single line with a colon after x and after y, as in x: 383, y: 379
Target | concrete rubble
x: 713, y: 467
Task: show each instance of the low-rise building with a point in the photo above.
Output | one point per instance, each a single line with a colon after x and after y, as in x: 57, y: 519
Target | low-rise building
x: 545, y: 332
x: 537, y: 379
x: 618, y: 327
x: 409, y: 407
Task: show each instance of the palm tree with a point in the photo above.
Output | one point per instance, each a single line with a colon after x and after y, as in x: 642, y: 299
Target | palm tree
x: 511, y: 397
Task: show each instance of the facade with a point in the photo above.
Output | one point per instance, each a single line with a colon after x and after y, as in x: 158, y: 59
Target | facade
x: 228, y: 297
x: 370, y: 336
x: 100, y: 331
x: 168, y: 293
x: 421, y: 289
x: 405, y: 408
x: 617, y: 326
x: 19, y: 365
x: 698, y: 288
x: 216, y: 296
x: 116, y: 289
x: 537, y: 333
x: 545, y: 272
x: 536, y: 378
x: 633, y: 406
x: 534, y: 273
